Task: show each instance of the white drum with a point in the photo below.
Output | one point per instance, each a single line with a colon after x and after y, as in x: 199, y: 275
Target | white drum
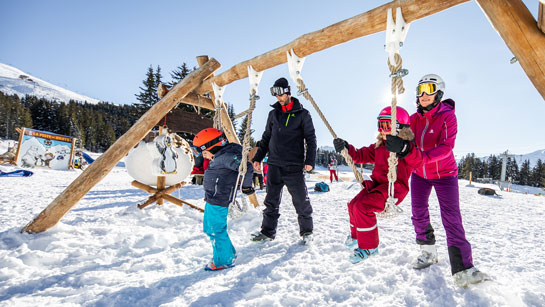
x: 161, y: 157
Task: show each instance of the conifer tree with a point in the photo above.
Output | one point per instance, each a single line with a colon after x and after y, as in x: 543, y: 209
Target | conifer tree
x: 525, y: 172
x: 242, y: 131
x: 148, y: 92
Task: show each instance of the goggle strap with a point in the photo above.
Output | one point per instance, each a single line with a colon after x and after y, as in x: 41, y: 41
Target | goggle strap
x: 208, y: 144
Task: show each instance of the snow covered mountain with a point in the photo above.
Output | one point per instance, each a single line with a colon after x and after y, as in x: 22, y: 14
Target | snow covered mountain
x: 533, y: 157
x: 16, y: 82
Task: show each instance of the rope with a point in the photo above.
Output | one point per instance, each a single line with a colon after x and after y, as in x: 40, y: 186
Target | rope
x: 390, y: 208
x: 243, y: 167
x: 303, y: 90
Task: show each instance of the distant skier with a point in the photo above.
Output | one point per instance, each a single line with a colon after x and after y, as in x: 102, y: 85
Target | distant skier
x: 435, y: 127
x: 362, y: 208
x: 332, y: 166
x: 219, y: 182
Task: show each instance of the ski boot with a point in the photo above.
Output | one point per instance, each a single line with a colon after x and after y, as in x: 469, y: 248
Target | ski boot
x: 350, y: 243
x: 260, y: 237
x: 212, y: 267
x: 306, y: 238
x: 427, y: 257
x: 361, y: 254
x: 469, y: 276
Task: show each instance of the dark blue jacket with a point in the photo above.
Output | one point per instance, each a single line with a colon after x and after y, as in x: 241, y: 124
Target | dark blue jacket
x: 285, y: 135
x: 221, y: 175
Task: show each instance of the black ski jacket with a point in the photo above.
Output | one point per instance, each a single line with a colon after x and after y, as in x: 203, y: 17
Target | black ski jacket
x: 285, y: 135
x: 221, y: 175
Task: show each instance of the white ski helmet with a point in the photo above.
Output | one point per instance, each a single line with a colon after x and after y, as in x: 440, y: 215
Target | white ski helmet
x: 433, y: 78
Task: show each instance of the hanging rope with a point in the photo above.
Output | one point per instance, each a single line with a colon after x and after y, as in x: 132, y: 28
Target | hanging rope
x: 304, y: 91
x: 246, y: 142
x: 396, y: 74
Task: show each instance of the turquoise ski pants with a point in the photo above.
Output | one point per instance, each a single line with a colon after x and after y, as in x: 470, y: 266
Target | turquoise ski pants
x: 215, y: 226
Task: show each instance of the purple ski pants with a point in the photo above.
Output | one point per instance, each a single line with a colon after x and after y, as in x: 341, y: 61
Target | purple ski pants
x: 449, y: 203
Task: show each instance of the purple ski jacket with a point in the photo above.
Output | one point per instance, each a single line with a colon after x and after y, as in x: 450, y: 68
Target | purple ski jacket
x: 435, y: 134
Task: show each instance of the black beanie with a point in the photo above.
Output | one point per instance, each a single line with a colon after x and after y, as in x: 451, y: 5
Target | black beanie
x: 283, y: 83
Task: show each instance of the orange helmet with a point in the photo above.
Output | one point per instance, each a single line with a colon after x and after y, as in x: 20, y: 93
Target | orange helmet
x: 208, y: 139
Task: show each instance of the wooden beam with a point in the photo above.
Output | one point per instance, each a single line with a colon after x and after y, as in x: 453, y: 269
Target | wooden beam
x: 541, y: 16
x: 51, y: 215
x: 367, y: 23
x: 228, y: 127
x: 518, y: 28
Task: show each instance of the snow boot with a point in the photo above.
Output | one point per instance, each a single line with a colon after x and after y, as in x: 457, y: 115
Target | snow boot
x: 306, y: 238
x: 350, y: 243
x: 361, y: 254
x: 469, y: 276
x: 260, y: 237
x: 212, y: 267
x: 427, y: 257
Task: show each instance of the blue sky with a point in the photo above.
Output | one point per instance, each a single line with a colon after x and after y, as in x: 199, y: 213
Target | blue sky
x: 102, y: 49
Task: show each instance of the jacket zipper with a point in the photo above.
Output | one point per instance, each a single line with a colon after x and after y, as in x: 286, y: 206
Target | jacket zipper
x: 422, y: 146
x: 216, y: 187
x: 287, y: 120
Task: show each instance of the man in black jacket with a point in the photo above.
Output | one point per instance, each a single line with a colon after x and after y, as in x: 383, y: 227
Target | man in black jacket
x: 289, y: 126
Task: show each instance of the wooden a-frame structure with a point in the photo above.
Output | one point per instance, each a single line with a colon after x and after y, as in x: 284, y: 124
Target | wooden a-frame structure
x: 523, y: 35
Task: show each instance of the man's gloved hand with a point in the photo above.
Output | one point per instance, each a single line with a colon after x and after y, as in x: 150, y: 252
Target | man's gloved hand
x: 398, y: 145
x: 248, y: 190
x: 340, y: 144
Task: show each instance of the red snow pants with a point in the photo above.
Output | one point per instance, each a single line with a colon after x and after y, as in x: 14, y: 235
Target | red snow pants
x: 332, y: 173
x: 363, y: 221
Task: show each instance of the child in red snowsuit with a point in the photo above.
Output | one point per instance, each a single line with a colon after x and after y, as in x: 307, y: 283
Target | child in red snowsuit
x: 372, y: 198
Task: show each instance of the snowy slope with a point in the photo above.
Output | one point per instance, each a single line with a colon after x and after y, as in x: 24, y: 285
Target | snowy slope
x: 532, y: 157
x: 16, y: 82
x: 107, y: 252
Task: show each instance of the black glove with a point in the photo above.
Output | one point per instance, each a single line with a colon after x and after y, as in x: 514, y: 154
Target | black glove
x: 398, y: 145
x: 248, y: 190
x: 340, y: 144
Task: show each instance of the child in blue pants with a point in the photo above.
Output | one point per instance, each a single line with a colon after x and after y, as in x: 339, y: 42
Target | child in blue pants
x: 219, y: 183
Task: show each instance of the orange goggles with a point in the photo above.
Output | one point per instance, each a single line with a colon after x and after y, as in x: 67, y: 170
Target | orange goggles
x: 384, y: 125
x: 428, y: 88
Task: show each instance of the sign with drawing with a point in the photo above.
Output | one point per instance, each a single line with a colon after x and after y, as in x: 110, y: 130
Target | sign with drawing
x: 44, y: 149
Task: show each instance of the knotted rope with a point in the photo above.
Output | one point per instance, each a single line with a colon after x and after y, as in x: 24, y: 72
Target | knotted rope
x: 390, y: 208
x: 303, y: 90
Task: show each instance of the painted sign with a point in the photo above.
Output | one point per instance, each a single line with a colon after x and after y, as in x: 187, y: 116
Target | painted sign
x: 44, y: 149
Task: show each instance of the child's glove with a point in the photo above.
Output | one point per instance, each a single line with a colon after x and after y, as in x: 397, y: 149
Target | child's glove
x: 398, y: 145
x: 248, y: 190
x: 340, y: 144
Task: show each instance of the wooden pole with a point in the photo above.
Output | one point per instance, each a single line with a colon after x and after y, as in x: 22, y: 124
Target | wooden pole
x: 541, y: 16
x: 228, y: 127
x: 51, y: 215
x: 518, y: 28
x: 367, y: 23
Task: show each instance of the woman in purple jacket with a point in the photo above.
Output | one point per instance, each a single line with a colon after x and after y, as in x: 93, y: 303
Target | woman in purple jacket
x: 435, y: 128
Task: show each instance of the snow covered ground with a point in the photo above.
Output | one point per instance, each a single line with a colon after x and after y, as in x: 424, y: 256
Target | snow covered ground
x: 107, y: 252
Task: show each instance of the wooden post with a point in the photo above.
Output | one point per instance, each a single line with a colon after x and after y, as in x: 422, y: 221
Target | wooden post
x: 518, y: 28
x: 367, y: 23
x: 541, y: 16
x: 52, y: 214
x: 470, y: 174
x: 226, y: 122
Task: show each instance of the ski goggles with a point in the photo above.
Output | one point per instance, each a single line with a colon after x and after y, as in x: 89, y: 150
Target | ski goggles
x: 279, y: 91
x: 219, y: 141
x: 385, y: 124
x: 428, y: 88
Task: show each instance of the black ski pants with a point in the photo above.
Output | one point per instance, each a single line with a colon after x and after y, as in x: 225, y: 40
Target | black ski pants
x: 294, y: 179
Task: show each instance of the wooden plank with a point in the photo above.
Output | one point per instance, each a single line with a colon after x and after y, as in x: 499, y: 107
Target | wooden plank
x: 190, y: 122
x: 518, y: 28
x: 52, y: 214
x: 367, y: 23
